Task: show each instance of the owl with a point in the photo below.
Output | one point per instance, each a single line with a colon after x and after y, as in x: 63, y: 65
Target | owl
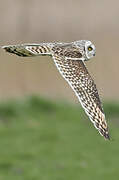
x: 70, y: 59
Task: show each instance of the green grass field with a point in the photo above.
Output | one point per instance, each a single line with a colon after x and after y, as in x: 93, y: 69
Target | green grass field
x: 42, y: 140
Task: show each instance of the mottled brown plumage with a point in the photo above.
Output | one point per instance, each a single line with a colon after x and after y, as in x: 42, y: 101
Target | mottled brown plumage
x: 84, y: 87
x: 69, y: 59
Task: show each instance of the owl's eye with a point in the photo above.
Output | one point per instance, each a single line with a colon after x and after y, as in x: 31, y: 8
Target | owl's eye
x: 90, y: 48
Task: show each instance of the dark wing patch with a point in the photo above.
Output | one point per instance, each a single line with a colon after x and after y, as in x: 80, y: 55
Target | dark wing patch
x: 18, y: 50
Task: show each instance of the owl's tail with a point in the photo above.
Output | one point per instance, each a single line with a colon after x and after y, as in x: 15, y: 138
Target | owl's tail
x: 29, y: 50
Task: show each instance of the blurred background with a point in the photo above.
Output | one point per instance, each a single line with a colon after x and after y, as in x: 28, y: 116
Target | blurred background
x: 44, y: 134
x: 36, y: 21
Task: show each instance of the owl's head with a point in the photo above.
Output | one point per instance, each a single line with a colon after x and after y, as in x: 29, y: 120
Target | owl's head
x: 87, y: 49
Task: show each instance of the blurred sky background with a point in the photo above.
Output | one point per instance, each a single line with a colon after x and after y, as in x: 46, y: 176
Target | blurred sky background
x: 36, y: 21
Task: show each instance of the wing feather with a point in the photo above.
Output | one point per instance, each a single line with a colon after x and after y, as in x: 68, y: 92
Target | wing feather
x: 29, y: 50
x: 76, y: 74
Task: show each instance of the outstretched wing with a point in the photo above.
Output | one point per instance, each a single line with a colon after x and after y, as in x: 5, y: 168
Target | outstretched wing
x: 28, y: 50
x: 76, y: 74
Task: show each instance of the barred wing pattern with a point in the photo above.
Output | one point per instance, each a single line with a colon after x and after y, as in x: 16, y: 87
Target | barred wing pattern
x: 76, y: 74
x: 29, y: 50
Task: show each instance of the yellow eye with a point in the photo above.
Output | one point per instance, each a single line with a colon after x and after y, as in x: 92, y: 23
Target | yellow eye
x: 90, y: 48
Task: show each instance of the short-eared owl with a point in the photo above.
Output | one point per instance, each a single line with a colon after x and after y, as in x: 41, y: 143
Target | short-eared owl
x: 69, y: 59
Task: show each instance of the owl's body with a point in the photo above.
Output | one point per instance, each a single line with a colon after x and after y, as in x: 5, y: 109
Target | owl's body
x: 69, y: 59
